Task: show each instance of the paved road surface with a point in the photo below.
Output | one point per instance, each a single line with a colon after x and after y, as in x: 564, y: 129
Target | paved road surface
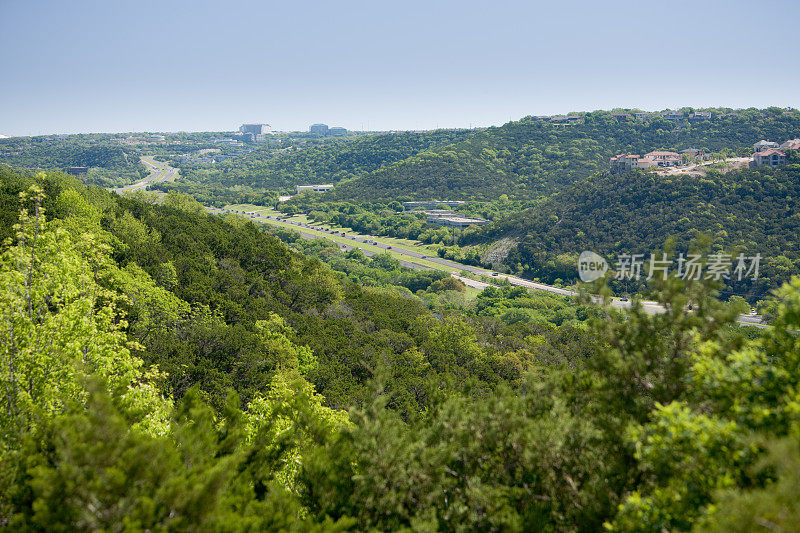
x: 312, y: 232
x: 159, y: 172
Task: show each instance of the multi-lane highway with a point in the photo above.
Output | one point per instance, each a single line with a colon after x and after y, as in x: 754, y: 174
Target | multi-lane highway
x: 159, y: 172
x: 414, y: 259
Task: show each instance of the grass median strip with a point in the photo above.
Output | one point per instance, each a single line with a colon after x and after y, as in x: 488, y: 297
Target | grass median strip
x: 406, y: 244
x: 358, y: 244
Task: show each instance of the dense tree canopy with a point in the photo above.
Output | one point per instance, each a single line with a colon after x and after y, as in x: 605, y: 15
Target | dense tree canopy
x: 165, y: 369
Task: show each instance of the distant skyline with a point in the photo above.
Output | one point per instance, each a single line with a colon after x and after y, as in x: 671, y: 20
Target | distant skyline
x: 91, y: 66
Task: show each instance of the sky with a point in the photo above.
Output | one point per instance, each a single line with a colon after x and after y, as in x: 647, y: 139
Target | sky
x: 119, y: 66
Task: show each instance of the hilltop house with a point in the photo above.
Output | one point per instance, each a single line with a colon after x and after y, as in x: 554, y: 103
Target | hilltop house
x: 628, y: 162
x: 700, y: 115
x: 672, y: 115
x: 660, y: 159
x: 792, y: 144
x: 772, y: 158
x: 566, y: 120
x: 694, y: 153
x: 623, y: 163
x: 762, y: 145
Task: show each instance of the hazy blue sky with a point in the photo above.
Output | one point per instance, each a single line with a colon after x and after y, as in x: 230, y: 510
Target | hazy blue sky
x: 79, y: 66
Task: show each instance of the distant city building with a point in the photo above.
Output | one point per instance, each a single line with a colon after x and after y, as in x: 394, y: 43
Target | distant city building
x: 255, y: 129
x: 771, y: 158
x: 641, y: 115
x: 77, y: 171
x: 319, y: 129
x: 254, y: 137
x: 314, y: 188
x: 760, y: 146
x: 621, y: 117
x: 336, y: 131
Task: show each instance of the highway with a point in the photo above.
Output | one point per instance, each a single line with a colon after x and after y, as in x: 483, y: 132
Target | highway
x: 159, y: 172
x: 414, y: 259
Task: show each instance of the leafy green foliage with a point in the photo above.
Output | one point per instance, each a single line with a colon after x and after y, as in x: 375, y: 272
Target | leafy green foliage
x: 246, y: 180
x: 569, y: 418
x: 530, y: 158
x: 110, y: 165
x: 748, y: 211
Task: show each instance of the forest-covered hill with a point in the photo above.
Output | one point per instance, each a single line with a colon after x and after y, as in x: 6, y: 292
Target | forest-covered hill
x: 161, y: 368
x: 110, y: 165
x: 531, y: 157
x: 746, y: 211
x: 302, y: 162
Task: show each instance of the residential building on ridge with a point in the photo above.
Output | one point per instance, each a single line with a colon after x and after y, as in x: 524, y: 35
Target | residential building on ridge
x: 673, y: 115
x: 660, y: 159
x: 771, y: 157
x: 694, y: 153
x: 623, y: 163
x: 628, y: 162
x: 565, y: 120
x: 700, y: 115
x: 760, y: 146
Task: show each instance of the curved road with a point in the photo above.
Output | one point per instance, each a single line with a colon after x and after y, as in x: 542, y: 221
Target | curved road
x: 159, y: 172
